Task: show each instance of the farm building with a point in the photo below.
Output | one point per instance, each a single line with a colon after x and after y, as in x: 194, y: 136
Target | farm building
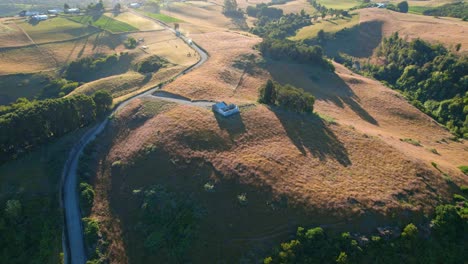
x: 28, y: 13
x: 135, y: 5
x: 224, y: 109
x: 72, y: 11
x: 39, y: 17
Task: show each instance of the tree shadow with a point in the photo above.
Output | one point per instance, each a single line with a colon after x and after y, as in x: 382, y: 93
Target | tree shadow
x: 308, y: 132
x: 324, y: 85
x: 358, y: 41
x: 233, y: 125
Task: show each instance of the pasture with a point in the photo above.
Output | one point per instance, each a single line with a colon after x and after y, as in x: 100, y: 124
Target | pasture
x: 339, y: 4
x: 55, y: 29
x: 162, y: 17
x: 328, y: 25
x: 104, y: 22
x: 141, y: 23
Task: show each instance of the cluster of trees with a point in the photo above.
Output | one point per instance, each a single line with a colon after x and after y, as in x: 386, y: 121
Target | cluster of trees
x: 280, y: 27
x: 57, y: 88
x: 26, y: 124
x: 445, y: 244
x: 88, y: 68
x: 401, y: 7
x: 287, y: 96
x: 459, y: 10
x: 130, y: 43
x: 299, y: 52
x: 151, y: 64
x: 168, y: 223
x: 231, y: 9
x: 433, y: 78
x: 95, y: 7
x: 30, y: 229
x: 264, y: 10
x: 324, y: 11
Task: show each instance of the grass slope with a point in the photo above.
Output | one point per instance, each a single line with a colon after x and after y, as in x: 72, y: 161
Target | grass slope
x: 15, y: 86
x: 328, y: 25
x: 136, y: 21
x: 162, y: 17
x: 339, y: 4
x: 55, y: 29
x: 104, y: 22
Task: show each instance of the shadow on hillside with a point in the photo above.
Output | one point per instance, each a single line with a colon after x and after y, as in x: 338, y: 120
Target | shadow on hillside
x: 233, y: 125
x: 309, y: 132
x: 324, y: 85
x: 358, y: 41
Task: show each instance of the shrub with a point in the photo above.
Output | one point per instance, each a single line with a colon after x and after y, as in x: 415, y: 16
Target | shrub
x: 464, y: 169
x: 287, y: 96
x: 151, y: 64
x: 242, y: 198
x: 130, y: 43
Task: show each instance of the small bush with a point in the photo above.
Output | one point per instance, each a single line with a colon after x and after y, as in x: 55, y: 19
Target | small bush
x: 209, y: 187
x: 151, y: 64
x: 130, y: 43
x: 464, y: 169
x: 242, y: 198
x: 411, y: 141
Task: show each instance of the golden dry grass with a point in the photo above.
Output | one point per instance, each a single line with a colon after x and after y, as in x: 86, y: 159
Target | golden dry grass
x: 141, y: 23
x: 11, y: 35
x: 296, y: 7
x: 199, y: 19
x: 218, y: 79
x: 25, y: 60
x: 447, y: 31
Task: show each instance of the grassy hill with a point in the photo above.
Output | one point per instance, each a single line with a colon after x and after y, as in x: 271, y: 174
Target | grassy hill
x: 328, y: 25
x: 104, y: 22
x: 55, y: 29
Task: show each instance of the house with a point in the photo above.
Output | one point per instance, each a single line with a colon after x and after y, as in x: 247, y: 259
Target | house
x: 40, y: 17
x: 224, y: 109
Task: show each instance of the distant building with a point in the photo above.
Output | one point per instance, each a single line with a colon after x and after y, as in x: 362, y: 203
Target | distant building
x: 224, y: 109
x: 72, y: 11
x: 25, y: 13
x: 40, y: 17
x: 381, y: 5
x: 53, y: 11
x: 134, y: 5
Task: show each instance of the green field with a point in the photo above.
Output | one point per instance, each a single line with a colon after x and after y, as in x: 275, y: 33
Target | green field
x: 104, y: 22
x: 162, y: 17
x: 54, y: 29
x: 329, y: 25
x: 15, y: 86
x: 418, y: 9
x: 339, y: 4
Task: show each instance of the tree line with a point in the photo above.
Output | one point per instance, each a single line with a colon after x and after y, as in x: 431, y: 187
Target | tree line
x: 287, y: 97
x: 443, y: 240
x: 432, y: 77
x: 459, y: 10
x: 90, y: 68
x: 26, y: 124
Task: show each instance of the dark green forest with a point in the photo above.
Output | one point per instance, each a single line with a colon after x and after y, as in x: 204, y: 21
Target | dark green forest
x: 275, y: 45
x: 441, y: 240
x: 433, y: 78
x: 27, y: 124
x: 459, y: 10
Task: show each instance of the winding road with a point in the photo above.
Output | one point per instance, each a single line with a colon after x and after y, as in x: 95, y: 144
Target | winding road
x: 74, y: 248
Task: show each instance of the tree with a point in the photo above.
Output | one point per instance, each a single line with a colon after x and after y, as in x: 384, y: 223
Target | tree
x: 269, y: 93
x: 66, y: 6
x: 342, y: 258
x: 117, y: 8
x: 457, y: 47
x: 103, y: 101
x: 403, y: 7
x: 13, y: 209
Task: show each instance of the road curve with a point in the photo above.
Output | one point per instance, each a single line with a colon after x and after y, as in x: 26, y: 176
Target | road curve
x: 74, y: 249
